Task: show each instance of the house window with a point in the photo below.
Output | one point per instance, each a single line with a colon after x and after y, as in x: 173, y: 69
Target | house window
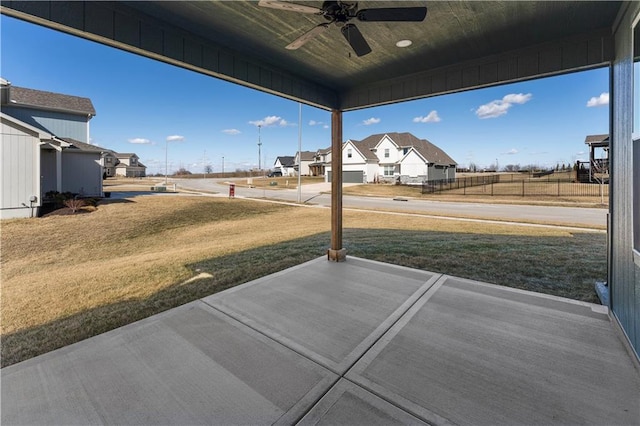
x: 133, y: 161
x: 388, y: 170
x: 349, y: 153
x: 386, y: 153
x: 108, y: 160
x: 404, y: 151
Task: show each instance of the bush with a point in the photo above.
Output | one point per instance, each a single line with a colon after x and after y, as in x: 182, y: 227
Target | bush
x: 74, y: 204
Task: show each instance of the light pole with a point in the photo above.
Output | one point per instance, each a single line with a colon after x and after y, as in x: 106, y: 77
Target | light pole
x: 223, y: 166
x: 259, y: 149
x: 166, y: 161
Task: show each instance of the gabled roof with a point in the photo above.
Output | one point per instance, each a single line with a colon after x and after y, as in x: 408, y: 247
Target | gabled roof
x: 307, y: 155
x: 82, y: 146
x: 125, y: 154
x: 429, y: 151
x: 286, y: 161
x: 365, y: 147
x: 23, y: 97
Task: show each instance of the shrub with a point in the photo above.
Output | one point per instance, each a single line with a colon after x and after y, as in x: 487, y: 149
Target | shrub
x: 74, y: 204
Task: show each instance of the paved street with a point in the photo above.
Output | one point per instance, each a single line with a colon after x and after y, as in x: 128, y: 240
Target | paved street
x: 312, y: 194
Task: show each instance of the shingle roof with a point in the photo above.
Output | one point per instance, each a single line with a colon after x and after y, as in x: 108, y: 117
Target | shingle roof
x: 596, y: 138
x: 429, y: 151
x: 286, y: 161
x: 307, y: 155
x: 83, y: 146
x: 21, y: 96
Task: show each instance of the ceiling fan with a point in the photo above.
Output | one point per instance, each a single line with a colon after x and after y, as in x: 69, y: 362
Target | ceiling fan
x: 340, y: 13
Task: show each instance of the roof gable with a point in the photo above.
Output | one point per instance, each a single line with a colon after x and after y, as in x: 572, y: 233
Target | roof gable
x: 26, y: 127
x: 427, y: 150
x: 286, y: 161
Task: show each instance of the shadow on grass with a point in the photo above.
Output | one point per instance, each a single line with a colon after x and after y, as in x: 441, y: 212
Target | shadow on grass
x: 562, y: 266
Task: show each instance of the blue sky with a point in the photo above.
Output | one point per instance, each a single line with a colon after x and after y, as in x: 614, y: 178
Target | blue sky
x: 141, y: 104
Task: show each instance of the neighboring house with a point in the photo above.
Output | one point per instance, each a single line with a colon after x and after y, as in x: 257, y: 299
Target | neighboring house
x: 397, y: 157
x: 63, y: 161
x: 286, y: 165
x: 109, y: 163
x: 306, y: 159
x: 321, y: 158
x: 129, y: 165
x: 60, y: 115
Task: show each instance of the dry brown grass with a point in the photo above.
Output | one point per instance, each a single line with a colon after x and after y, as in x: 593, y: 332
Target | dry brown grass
x: 480, y: 194
x: 66, y: 278
x: 282, y: 182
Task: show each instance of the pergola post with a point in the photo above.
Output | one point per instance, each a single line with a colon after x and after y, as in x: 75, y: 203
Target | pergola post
x: 336, y: 253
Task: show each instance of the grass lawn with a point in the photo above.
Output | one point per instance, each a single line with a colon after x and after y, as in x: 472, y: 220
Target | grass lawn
x: 282, y: 182
x: 66, y: 278
x: 480, y: 194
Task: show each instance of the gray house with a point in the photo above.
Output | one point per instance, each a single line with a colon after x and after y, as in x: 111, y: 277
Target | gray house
x: 45, y: 148
x: 61, y: 115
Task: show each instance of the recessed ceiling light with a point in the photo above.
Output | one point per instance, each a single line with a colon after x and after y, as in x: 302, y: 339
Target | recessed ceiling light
x: 404, y: 43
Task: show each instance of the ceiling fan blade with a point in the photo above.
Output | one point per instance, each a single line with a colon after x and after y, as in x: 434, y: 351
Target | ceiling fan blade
x: 355, y: 39
x: 285, y: 5
x: 393, y: 14
x: 297, y: 43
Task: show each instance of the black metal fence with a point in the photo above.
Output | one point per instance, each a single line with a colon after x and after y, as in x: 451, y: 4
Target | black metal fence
x: 517, y: 186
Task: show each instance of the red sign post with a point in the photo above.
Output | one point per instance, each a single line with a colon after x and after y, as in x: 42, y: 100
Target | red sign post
x: 232, y: 190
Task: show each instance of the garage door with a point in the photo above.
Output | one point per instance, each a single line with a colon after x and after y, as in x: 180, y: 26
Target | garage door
x: 350, y: 176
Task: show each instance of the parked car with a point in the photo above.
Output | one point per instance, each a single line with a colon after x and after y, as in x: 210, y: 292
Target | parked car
x: 275, y: 173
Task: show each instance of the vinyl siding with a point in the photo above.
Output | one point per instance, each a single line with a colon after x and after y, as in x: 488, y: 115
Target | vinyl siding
x: 19, y: 175
x: 57, y: 123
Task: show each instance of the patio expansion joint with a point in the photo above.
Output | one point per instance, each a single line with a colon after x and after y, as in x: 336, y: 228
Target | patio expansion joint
x: 421, y: 295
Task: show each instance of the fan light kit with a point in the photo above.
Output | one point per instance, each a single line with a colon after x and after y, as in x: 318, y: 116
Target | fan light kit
x: 341, y: 12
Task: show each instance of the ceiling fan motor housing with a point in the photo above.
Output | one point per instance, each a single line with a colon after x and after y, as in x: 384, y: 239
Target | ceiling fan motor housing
x: 339, y: 12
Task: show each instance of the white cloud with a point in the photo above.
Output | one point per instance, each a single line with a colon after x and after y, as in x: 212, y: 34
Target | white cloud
x: 325, y: 126
x: 601, y: 100
x: 231, y: 131
x: 499, y: 107
x: 432, y: 117
x: 315, y: 123
x: 517, y: 98
x: 141, y: 141
x: 512, y: 151
x: 370, y: 121
x: 272, y: 120
x: 175, y: 138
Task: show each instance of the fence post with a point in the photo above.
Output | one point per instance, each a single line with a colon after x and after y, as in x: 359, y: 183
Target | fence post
x: 492, y: 188
x: 558, y: 187
x: 523, y: 188
x: 464, y: 191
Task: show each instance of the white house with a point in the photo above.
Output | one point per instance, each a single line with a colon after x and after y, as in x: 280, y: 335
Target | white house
x: 398, y: 157
x: 320, y: 159
x: 129, y: 165
x: 286, y: 165
x: 306, y: 158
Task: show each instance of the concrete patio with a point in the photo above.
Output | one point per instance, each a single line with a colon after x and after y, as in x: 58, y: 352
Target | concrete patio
x: 358, y: 342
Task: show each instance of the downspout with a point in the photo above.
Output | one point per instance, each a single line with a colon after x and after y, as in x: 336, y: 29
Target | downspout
x: 336, y: 253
